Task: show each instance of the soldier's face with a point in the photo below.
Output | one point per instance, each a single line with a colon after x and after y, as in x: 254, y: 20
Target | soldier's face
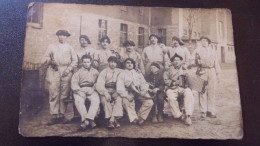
x: 112, y: 64
x: 204, y: 42
x: 153, y: 40
x: 105, y: 44
x: 83, y: 42
x: 177, y: 62
x: 62, y: 38
x: 129, y: 65
x: 154, y: 69
x: 175, y: 43
x: 129, y: 48
x: 86, y: 63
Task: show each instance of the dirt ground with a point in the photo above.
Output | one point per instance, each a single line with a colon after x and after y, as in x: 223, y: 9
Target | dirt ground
x: 227, y: 125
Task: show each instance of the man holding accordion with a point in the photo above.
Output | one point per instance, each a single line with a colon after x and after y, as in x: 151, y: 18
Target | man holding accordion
x: 176, y: 88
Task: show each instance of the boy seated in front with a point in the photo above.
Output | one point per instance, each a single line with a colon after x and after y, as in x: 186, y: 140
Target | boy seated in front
x: 83, y: 87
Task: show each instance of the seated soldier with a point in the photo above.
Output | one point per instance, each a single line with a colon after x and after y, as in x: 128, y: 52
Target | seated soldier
x: 106, y: 86
x: 83, y: 87
x: 131, y: 84
x: 174, y: 90
x: 156, y: 90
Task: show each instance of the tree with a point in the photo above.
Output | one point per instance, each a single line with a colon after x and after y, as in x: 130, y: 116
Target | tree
x: 191, y: 19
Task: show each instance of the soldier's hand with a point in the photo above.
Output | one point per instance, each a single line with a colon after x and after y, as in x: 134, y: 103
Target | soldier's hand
x: 130, y: 98
x: 138, y: 70
x: 95, y: 64
x: 65, y: 73
x: 142, y: 93
x: 155, y: 90
x: 108, y: 97
x: 81, y: 94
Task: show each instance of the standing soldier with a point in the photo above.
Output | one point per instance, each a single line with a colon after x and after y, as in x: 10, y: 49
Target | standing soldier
x: 130, y: 85
x: 154, y: 53
x: 84, y: 49
x: 83, y: 86
x: 178, y: 48
x: 106, y: 86
x: 101, y: 55
x: 209, y: 69
x: 131, y: 53
x: 61, y: 59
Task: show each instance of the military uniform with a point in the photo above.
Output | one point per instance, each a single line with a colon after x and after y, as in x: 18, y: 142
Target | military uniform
x: 156, y: 81
x: 174, y: 91
x: 59, y: 87
x: 106, y: 84
x: 83, y: 86
x: 101, y: 57
x: 84, y: 51
x: 126, y: 80
x: 180, y: 50
x: 136, y: 57
x: 154, y: 53
x: 210, y: 64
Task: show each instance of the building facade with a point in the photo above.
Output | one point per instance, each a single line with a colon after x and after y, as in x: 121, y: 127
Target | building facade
x: 121, y: 23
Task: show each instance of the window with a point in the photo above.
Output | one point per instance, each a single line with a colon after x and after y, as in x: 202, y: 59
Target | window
x: 123, y: 34
x: 185, y: 32
x: 216, y: 47
x: 102, y: 28
x: 198, y: 34
x: 141, y: 11
x: 141, y: 37
x: 35, y: 14
x: 123, y: 8
x: 162, y: 35
x: 221, y: 29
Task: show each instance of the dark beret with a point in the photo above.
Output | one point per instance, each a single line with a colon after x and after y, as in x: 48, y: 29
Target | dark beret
x: 203, y: 37
x: 86, y: 38
x: 178, y: 39
x: 129, y: 43
x: 155, y: 64
x: 154, y: 35
x: 63, y: 32
x: 112, y: 58
x: 176, y: 55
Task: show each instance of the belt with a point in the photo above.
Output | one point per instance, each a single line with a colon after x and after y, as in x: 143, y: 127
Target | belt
x: 110, y: 85
x: 87, y: 85
x: 207, y: 67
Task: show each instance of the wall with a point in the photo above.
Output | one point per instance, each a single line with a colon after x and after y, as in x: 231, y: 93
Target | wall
x: 64, y: 16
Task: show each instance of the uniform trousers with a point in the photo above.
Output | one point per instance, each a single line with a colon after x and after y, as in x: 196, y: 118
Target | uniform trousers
x: 81, y: 107
x: 146, y: 106
x: 173, y: 94
x: 115, y: 108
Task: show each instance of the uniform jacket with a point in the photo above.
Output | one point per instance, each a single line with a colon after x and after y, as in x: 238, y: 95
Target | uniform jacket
x: 84, y: 77
x: 105, y: 77
x: 130, y: 77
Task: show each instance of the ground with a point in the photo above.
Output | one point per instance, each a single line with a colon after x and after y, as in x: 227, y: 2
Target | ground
x: 227, y: 125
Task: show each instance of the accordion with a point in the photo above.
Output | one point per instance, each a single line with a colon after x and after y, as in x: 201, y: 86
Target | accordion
x: 196, y: 83
x: 193, y: 82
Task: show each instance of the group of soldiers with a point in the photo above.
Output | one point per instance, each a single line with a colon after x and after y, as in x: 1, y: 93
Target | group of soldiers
x: 119, y: 80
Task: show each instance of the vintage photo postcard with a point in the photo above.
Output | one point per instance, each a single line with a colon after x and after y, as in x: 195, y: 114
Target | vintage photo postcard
x: 124, y: 71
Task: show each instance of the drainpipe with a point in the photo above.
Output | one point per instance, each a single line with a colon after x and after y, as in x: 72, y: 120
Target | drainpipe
x: 149, y: 25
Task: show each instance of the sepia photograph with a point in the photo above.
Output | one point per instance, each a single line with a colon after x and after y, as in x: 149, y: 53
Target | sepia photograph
x: 128, y: 71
